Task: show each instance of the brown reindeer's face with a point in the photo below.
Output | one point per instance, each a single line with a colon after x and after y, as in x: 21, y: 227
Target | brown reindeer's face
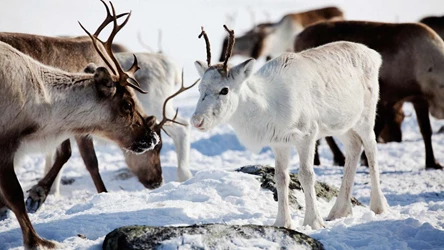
x: 129, y: 126
x: 251, y: 44
x: 147, y: 166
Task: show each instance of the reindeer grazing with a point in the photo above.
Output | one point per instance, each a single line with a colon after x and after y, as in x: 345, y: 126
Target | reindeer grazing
x: 412, y: 69
x: 159, y: 82
x: 158, y: 74
x: 273, y: 39
x: 293, y: 100
x: 43, y: 106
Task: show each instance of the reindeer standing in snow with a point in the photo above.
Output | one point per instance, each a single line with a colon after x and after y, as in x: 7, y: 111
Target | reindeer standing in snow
x: 158, y: 75
x: 43, y: 106
x: 293, y: 100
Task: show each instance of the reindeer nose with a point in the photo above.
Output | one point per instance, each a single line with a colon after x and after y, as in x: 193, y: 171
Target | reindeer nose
x: 197, y: 121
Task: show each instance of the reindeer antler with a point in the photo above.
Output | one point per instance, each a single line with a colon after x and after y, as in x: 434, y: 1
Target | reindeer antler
x: 229, y: 48
x: 105, y: 49
x: 165, y: 119
x: 207, y: 42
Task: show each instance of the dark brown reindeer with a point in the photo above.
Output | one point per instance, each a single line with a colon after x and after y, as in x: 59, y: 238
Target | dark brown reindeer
x: 42, y: 106
x: 273, y: 39
x: 412, y: 69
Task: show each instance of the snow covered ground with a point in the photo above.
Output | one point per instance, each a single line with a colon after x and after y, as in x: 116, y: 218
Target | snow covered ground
x: 216, y: 194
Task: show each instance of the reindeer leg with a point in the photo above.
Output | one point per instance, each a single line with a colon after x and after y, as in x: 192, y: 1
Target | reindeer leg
x: 13, y: 197
x: 307, y: 178
x: 343, y: 206
x: 338, y: 157
x: 422, y: 115
x: 282, y: 179
x: 38, y: 193
x: 86, y: 148
x: 180, y: 135
x: 316, y: 161
x: 380, y: 122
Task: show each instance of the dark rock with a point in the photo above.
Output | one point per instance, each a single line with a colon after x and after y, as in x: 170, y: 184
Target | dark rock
x: 266, y: 174
x: 208, y: 236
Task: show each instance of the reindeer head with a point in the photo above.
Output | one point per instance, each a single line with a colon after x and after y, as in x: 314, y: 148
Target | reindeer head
x: 128, y: 125
x: 219, y: 88
x: 147, y: 166
x: 251, y: 44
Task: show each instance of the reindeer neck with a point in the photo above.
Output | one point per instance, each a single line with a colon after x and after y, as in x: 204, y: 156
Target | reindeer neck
x: 59, y: 81
x: 252, y: 110
x: 72, y: 99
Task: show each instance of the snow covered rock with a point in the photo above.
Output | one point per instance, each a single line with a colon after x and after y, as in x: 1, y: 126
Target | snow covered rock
x: 208, y: 236
x: 323, y: 190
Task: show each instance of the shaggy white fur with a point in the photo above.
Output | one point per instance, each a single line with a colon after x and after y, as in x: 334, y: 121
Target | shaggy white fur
x: 293, y: 100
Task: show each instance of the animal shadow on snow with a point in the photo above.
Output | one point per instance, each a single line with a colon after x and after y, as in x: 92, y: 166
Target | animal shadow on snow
x: 389, y: 234
x: 407, y: 199
x: 218, y: 144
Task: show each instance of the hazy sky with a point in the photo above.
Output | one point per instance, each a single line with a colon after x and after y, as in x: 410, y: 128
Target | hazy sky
x: 180, y: 22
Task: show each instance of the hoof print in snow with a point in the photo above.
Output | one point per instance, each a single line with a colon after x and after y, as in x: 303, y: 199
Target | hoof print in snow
x: 123, y: 174
x: 209, y: 236
x: 266, y: 173
x: 67, y: 181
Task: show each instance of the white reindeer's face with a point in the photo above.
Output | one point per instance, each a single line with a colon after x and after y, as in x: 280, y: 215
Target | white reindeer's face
x: 219, y: 94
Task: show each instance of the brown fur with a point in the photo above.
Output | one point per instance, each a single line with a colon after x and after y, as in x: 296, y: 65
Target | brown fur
x: 412, y: 69
x: 436, y: 23
x: 40, y: 103
x: 251, y: 44
x: 73, y: 54
x: 312, y: 16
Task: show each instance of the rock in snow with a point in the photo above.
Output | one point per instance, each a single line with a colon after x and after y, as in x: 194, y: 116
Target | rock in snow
x: 208, y: 236
x: 323, y: 190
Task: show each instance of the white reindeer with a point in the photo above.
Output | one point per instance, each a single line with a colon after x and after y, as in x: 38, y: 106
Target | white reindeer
x: 159, y: 75
x: 293, y: 100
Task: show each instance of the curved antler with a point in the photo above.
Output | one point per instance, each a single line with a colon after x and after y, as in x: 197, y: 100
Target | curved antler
x: 105, y: 49
x: 207, y: 42
x: 165, y: 119
x: 229, y: 48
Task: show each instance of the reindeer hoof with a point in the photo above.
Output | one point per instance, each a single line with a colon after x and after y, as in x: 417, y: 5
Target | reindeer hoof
x: 42, y: 244
x: 434, y: 166
x: 37, y: 196
x: 183, y: 175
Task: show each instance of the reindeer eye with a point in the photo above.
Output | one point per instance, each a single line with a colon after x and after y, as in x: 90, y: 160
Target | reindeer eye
x: 224, y: 91
x: 127, y: 106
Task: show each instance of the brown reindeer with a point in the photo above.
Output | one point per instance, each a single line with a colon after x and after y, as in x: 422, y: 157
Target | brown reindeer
x: 412, y: 69
x: 273, y: 39
x: 42, y: 106
x: 72, y: 55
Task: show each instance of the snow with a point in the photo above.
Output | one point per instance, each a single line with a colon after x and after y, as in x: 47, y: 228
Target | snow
x: 216, y: 194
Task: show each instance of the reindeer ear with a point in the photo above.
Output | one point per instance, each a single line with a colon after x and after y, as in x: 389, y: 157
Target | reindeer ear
x: 201, y: 67
x: 243, y: 70
x: 105, y: 85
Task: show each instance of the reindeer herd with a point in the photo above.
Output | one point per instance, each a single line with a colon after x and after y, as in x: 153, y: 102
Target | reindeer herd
x: 348, y: 79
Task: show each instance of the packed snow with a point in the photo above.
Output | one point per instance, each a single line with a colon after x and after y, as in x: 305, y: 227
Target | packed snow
x: 217, y: 194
